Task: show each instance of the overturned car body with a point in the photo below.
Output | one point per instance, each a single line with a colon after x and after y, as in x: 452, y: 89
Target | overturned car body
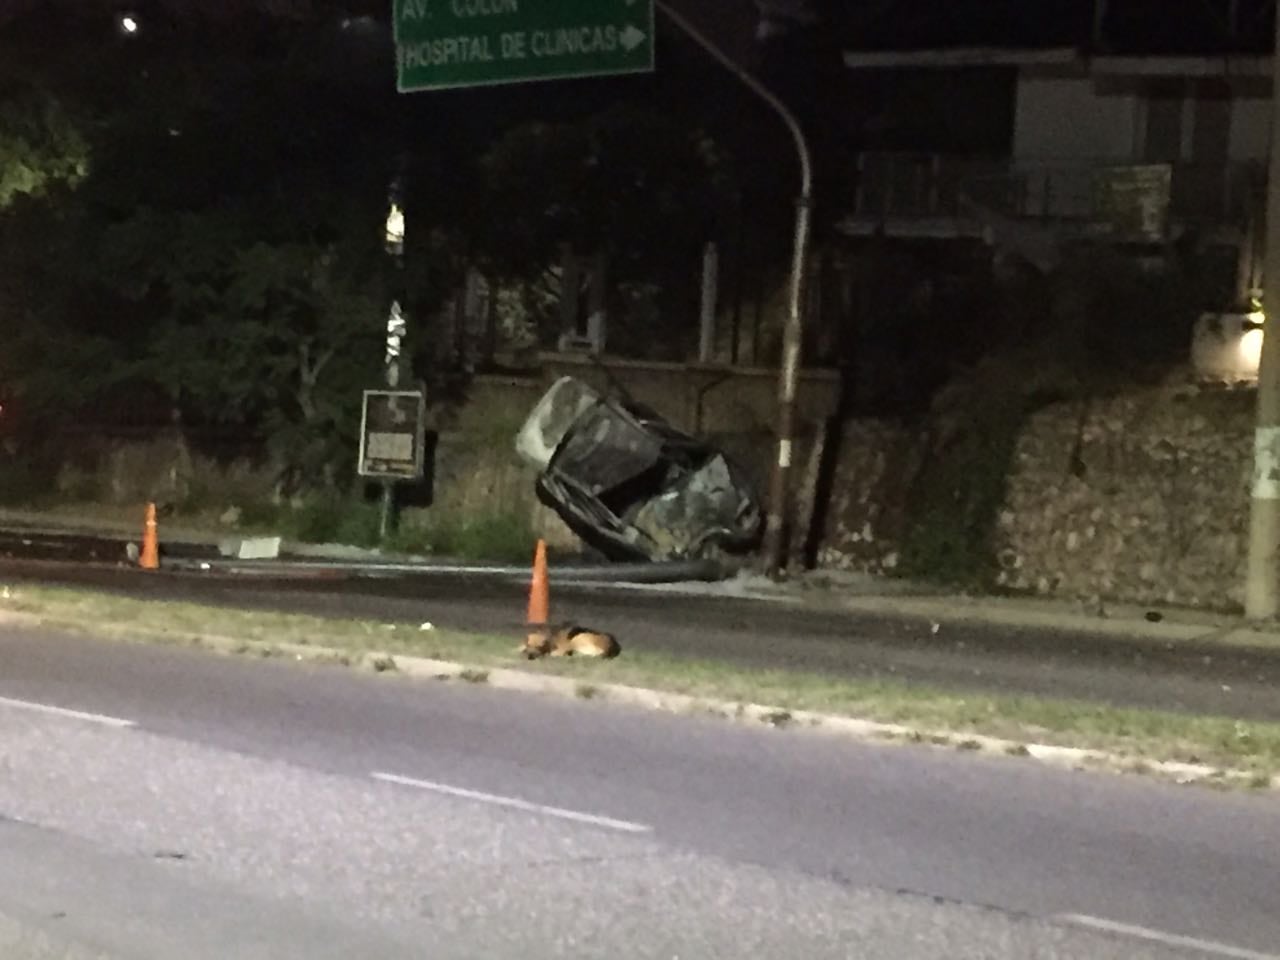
x: 630, y: 484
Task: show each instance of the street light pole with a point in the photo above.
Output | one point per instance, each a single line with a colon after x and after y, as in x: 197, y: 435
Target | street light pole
x: 396, y: 328
x: 1262, y: 583
x: 775, y: 539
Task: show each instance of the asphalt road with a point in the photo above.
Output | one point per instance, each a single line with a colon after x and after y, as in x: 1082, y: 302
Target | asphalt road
x: 161, y: 803
x: 1186, y: 677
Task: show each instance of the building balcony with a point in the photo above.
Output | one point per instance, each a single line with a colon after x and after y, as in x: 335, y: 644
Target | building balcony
x: 938, y: 195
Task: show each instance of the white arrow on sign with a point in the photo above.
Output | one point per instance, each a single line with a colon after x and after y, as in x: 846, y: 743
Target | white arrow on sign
x: 632, y: 38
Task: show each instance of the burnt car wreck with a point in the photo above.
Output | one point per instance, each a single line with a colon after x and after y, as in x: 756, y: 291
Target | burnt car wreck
x: 631, y: 485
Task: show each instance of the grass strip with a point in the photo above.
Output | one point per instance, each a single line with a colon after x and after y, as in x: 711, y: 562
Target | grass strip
x: 1136, y: 734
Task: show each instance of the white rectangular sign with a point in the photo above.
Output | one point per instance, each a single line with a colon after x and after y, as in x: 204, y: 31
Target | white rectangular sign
x: 393, y: 430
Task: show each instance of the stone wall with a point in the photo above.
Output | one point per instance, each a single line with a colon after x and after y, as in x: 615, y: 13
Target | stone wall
x: 867, y: 509
x: 1143, y: 497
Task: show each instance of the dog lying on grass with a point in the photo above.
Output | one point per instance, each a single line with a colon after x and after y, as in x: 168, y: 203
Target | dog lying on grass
x: 569, y: 640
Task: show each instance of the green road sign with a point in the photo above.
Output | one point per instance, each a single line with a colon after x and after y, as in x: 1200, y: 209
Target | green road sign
x: 472, y: 43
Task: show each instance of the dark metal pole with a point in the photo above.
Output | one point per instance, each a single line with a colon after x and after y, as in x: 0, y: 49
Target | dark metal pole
x: 396, y: 328
x: 774, y: 557
x: 1099, y: 24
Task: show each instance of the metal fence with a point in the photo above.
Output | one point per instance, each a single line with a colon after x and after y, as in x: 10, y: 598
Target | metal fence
x: 933, y: 185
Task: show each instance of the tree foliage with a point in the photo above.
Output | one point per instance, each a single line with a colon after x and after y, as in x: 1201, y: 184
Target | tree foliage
x: 196, y: 211
x: 642, y: 189
x: 39, y: 146
x: 224, y: 247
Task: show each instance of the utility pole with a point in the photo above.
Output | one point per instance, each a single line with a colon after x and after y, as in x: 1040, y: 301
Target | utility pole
x: 396, y: 329
x: 775, y: 533
x: 1262, y: 582
x: 1099, y: 24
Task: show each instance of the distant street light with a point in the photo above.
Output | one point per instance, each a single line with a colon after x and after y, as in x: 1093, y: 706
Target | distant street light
x: 395, y: 230
x: 129, y: 24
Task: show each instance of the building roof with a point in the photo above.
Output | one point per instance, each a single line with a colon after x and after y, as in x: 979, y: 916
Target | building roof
x: 1065, y: 59
x: 947, y: 58
x: 1130, y: 27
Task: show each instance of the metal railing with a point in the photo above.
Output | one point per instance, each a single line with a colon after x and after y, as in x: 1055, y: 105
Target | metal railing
x: 933, y: 185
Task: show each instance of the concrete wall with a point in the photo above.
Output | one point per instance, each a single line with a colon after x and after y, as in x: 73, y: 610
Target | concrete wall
x: 1250, y: 129
x: 704, y: 399
x: 475, y: 471
x: 1065, y: 119
x: 164, y: 466
x: 1061, y: 119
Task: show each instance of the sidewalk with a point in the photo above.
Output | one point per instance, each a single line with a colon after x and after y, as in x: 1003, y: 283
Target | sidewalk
x: 870, y: 595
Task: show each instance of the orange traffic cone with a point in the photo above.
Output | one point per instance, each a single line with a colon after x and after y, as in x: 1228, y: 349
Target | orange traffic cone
x: 539, y: 589
x: 150, y: 556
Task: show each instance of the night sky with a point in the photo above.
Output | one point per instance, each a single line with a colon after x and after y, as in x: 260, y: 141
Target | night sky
x: 1170, y: 26
x: 1132, y: 26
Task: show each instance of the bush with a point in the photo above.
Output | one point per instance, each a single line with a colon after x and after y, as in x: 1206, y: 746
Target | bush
x: 1109, y: 324
x: 262, y: 514
x: 954, y: 502
x: 332, y: 519
x: 1112, y: 322
x: 26, y: 482
x: 500, y: 537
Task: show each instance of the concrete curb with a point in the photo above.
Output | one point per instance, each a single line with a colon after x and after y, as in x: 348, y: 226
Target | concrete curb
x: 870, y: 596
x: 990, y: 612
x: 854, y: 728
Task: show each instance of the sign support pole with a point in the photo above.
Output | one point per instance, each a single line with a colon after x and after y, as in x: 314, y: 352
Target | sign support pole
x: 774, y: 559
x: 396, y: 328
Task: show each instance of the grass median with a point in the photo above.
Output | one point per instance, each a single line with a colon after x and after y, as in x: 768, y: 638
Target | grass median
x: 1138, y: 735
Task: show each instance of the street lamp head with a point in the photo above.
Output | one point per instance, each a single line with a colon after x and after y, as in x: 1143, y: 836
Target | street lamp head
x: 128, y: 24
x: 395, y: 227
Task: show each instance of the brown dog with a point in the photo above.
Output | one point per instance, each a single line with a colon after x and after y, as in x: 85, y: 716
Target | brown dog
x: 570, y: 641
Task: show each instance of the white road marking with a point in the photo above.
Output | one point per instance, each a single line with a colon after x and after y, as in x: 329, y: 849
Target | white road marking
x: 1165, y: 939
x: 64, y: 712
x: 514, y: 803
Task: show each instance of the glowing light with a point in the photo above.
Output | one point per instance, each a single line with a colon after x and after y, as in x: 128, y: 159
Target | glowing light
x: 395, y: 226
x: 1251, y: 340
x: 1251, y: 350
x: 129, y: 24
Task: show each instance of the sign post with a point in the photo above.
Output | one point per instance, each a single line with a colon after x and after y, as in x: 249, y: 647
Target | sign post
x: 441, y: 44
x: 393, y: 430
x: 393, y: 434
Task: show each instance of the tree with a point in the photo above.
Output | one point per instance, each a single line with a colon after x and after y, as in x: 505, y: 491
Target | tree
x: 223, y: 246
x: 642, y: 189
x: 39, y: 146
x: 269, y: 331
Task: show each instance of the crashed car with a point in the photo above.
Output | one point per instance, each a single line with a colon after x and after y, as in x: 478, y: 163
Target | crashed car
x: 631, y: 485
